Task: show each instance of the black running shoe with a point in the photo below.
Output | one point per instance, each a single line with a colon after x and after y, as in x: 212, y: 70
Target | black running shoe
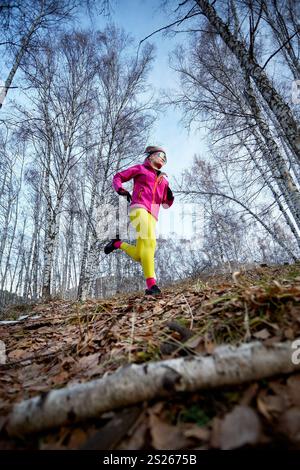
x: 110, y: 246
x: 153, y: 291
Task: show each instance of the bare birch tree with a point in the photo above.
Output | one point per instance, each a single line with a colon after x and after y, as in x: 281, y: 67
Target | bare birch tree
x: 25, y: 24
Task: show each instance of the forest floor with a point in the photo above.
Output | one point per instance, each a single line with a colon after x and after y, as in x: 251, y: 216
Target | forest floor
x: 61, y: 343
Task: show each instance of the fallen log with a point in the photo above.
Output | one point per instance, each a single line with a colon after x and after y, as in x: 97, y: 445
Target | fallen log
x: 228, y: 365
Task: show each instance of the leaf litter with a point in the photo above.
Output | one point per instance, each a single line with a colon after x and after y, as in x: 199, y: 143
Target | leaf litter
x: 60, y: 343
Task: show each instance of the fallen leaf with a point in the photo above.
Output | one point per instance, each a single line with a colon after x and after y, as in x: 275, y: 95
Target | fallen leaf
x: 282, y: 391
x: 215, y: 432
x: 136, y: 440
x: 193, y: 342
x: 77, y: 438
x: 249, y: 394
x: 289, y: 424
x: 289, y: 333
x: 209, y: 347
x: 87, y: 362
x: 157, y: 309
x: 197, y: 432
x: 240, y: 427
x: 262, y: 334
x: 165, y: 436
x: 60, y: 378
x: 17, y: 354
x: 270, y: 406
x: 109, y: 436
x: 293, y: 384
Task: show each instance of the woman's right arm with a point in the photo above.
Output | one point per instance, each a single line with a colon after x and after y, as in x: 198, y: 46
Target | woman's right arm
x: 124, y: 176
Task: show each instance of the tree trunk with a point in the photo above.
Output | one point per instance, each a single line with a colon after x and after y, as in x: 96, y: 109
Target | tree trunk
x: 274, y: 194
x: 133, y: 384
x: 276, y: 103
x: 85, y: 249
x: 275, y: 160
x: 24, y: 45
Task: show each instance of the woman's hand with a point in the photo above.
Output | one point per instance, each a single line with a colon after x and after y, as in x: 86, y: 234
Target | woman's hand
x: 123, y: 192
x: 170, y: 195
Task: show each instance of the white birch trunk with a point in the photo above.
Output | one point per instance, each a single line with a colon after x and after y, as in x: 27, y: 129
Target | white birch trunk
x: 275, y: 160
x: 279, y: 107
x: 84, y: 266
x: 276, y: 197
x: 66, y: 276
x: 7, y: 218
x: 55, y: 278
x: 24, y: 45
x: 227, y: 365
x: 12, y: 237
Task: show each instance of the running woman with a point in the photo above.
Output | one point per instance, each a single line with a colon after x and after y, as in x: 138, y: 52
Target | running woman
x: 151, y: 189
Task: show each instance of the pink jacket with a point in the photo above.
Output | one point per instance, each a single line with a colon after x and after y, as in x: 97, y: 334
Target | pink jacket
x: 149, y: 190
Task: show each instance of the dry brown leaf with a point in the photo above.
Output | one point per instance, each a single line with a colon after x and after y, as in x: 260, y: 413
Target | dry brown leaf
x: 157, y: 309
x: 282, y: 391
x: 136, y: 440
x: 249, y: 394
x: 209, y: 347
x: 262, y: 406
x: 165, y: 436
x: 194, y: 342
x: 239, y: 427
x: 67, y: 363
x: 270, y: 406
x: 262, y: 334
x: 60, y: 378
x: 289, y: 424
x: 289, y: 333
x: 77, y: 438
x: 293, y: 384
x: 215, y: 432
x: 197, y: 432
x: 17, y: 354
x: 157, y: 408
x: 87, y: 362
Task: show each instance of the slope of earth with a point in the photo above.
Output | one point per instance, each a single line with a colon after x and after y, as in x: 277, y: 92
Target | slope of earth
x: 60, y: 343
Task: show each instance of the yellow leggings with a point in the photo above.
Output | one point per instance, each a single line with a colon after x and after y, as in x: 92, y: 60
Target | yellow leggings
x: 144, y: 250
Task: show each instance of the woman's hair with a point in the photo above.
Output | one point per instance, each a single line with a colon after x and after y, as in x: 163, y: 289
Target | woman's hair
x: 152, y: 149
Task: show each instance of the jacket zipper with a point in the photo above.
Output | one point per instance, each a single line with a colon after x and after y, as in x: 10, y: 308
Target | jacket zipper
x: 140, y: 192
x: 155, y: 184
